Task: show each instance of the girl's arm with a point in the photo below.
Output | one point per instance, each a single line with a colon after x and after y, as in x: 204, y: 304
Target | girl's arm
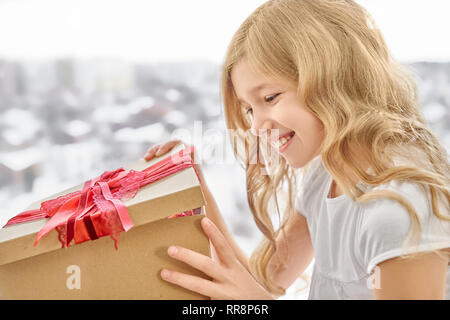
x: 300, y: 250
x: 422, y: 276
x: 213, y: 213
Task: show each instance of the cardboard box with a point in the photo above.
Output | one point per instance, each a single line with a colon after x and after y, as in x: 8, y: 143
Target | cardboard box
x: 95, y: 269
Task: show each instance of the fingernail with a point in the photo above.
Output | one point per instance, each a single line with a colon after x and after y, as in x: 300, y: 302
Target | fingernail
x: 157, y: 152
x: 172, y: 251
x: 165, y: 274
x: 206, y: 222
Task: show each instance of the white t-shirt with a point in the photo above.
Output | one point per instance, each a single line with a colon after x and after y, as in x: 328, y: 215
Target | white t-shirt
x: 350, y: 239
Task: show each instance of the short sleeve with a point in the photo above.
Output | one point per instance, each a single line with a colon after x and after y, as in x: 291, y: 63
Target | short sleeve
x: 386, y: 223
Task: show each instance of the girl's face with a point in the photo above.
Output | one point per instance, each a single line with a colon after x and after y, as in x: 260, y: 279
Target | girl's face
x: 277, y: 106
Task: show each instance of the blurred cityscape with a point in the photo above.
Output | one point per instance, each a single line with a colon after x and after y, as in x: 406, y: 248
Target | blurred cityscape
x: 65, y: 121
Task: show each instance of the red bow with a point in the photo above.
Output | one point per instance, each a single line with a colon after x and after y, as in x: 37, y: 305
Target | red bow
x: 97, y: 210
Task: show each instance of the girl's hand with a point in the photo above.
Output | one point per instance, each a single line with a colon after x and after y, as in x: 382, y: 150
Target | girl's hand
x: 162, y: 148
x: 230, y: 279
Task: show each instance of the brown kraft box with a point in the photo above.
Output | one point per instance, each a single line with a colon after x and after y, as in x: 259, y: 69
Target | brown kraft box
x: 95, y: 269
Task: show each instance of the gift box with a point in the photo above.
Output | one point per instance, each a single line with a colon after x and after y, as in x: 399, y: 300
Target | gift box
x: 108, y: 238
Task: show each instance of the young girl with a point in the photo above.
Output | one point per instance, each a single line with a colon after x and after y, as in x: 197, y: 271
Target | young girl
x: 373, y: 205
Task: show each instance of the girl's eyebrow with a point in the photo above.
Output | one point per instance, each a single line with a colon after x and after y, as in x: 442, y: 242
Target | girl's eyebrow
x: 259, y: 87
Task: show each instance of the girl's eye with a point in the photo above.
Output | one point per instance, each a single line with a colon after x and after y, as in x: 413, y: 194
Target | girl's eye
x: 270, y: 99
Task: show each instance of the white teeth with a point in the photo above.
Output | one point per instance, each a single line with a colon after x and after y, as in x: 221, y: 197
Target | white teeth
x: 283, y: 141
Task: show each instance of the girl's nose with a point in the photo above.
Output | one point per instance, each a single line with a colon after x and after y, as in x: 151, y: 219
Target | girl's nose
x: 260, y: 127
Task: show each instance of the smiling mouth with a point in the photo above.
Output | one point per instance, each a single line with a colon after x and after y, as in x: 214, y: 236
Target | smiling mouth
x: 285, y: 139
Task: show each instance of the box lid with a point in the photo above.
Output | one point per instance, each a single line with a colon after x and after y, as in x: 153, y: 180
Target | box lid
x: 173, y: 194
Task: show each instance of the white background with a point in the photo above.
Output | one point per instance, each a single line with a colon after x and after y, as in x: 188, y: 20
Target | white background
x: 153, y: 31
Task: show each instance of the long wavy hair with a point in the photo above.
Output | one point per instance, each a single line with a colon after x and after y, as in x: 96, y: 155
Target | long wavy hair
x: 368, y: 103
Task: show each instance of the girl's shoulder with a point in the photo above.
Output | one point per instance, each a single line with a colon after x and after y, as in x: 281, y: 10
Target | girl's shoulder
x: 389, y: 207
x: 387, y: 219
x: 385, y: 224
x: 416, y: 193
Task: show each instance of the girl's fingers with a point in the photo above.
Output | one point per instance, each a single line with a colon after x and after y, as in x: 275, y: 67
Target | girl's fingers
x: 197, y: 260
x: 224, y: 252
x: 160, y: 149
x: 193, y: 283
x: 167, y: 147
x: 151, y: 152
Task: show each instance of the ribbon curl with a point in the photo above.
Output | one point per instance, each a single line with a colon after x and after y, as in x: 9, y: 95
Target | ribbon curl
x: 97, y: 210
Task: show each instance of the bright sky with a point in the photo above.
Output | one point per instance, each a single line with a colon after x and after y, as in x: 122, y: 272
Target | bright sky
x: 144, y: 30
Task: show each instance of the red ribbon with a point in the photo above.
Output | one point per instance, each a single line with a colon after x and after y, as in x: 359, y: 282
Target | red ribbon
x: 97, y: 210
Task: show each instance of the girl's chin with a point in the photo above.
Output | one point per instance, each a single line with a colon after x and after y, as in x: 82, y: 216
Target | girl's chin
x: 295, y: 161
